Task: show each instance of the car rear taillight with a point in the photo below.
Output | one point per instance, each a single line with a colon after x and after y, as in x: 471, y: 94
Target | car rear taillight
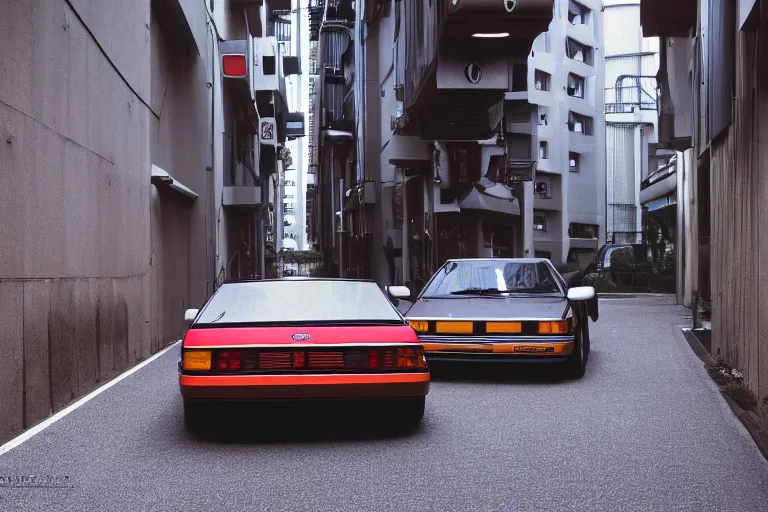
x: 554, y: 327
x: 196, y: 360
x: 411, y: 358
x: 228, y: 360
x: 373, y: 359
x: 353, y: 359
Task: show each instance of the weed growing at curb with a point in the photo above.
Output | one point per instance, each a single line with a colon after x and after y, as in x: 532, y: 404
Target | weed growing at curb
x: 731, y: 383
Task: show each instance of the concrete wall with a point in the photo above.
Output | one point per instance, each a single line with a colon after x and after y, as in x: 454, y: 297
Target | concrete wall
x: 82, y: 286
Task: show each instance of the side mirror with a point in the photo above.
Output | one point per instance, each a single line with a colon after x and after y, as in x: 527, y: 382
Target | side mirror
x: 581, y: 293
x: 399, y: 292
x: 190, y: 314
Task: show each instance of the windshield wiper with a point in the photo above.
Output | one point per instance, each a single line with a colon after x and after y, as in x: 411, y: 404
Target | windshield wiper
x: 479, y: 291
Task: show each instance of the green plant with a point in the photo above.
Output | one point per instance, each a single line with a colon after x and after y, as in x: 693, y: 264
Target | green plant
x: 600, y: 282
x: 741, y: 394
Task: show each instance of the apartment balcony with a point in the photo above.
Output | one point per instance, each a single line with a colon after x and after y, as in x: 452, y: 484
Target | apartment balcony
x: 633, y: 99
x: 456, y: 70
x: 242, y: 196
x: 661, y: 183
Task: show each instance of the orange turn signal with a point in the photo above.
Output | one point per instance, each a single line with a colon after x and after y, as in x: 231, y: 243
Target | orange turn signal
x: 419, y: 325
x: 411, y: 358
x: 196, y: 360
x: 554, y: 327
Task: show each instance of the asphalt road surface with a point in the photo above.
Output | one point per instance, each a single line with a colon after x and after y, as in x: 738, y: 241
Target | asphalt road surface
x: 644, y: 430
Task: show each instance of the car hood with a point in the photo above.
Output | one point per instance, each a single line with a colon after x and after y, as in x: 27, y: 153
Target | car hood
x: 489, y: 308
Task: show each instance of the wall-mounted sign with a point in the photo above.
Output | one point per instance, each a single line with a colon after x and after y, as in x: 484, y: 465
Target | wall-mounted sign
x: 473, y: 72
x: 267, y: 131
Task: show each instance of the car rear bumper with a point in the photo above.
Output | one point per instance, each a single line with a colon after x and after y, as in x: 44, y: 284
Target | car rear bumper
x: 290, y: 387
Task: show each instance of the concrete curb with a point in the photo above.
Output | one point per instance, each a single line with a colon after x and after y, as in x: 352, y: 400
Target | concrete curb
x: 750, y: 420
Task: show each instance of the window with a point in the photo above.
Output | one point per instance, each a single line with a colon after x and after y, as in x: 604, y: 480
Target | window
x: 578, y: 14
x: 576, y: 230
x: 494, y: 277
x: 543, y: 149
x: 539, y: 222
x: 575, y: 86
x: 543, y: 120
x: 573, y: 162
x: 269, y: 65
x: 541, y: 190
x: 578, y: 51
x: 519, y: 77
x: 579, y: 123
x: 542, y: 80
x: 304, y: 301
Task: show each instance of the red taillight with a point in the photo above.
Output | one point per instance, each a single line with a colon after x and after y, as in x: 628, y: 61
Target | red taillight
x: 228, y: 360
x: 373, y: 360
x: 354, y: 359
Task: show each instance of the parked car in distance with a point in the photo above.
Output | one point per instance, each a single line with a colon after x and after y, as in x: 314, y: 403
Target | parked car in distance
x: 504, y: 311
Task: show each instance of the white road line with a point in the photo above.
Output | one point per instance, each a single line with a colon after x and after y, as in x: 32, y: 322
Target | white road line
x: 10, y: 445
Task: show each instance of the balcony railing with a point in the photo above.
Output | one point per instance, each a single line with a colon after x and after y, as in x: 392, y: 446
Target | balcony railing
x: 631, y: 93
x: 658, y: 175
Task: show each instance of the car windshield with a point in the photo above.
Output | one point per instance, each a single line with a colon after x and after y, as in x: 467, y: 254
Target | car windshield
x: 299, y: 301
x: 492, y: 277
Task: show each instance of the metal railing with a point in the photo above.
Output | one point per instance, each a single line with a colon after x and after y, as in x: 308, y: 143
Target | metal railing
x: 631, y: 93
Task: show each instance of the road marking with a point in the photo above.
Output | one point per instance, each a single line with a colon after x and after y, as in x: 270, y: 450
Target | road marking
x: 13, y: 443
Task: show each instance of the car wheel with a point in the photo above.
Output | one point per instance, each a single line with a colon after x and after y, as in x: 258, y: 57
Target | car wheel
x: 585, y: 337
x: 577, y: 362
x: 197, y: 417
x: 412, y: 410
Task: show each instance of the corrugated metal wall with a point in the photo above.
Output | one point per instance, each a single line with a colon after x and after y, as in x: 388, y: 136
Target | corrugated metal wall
x: 620, y: 178
x: 622, y: 32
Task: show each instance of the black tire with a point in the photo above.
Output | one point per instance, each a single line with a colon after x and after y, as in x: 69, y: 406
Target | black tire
x: 412, y: 410
x: 197, y: 417
x: 577, y: 362
x: 587, y: 341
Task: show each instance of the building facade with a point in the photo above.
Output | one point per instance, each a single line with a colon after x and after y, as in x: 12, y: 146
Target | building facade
x: 133, y: 181
x: 433, y: 146
x: 565, y: 83
x: 713, y: 113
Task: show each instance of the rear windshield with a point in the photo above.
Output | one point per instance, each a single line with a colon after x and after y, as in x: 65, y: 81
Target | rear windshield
x: 299, y: 301
x: 492, y: 277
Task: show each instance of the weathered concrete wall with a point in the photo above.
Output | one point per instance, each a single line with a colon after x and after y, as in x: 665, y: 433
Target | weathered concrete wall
x: 76, y: 272
x: 739, y: 222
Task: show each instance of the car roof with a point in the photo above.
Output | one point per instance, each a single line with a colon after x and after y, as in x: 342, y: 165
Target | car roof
x: 508, y: 260
x: 297, y: 278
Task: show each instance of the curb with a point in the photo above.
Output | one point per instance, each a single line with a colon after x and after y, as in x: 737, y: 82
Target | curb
x: 750, y: 420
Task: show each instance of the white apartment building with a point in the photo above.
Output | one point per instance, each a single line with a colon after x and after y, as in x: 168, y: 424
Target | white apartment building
x: 565, y: 81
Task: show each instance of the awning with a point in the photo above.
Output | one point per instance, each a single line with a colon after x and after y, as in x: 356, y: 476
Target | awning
x: 162, y: 178
x: 477, y: 199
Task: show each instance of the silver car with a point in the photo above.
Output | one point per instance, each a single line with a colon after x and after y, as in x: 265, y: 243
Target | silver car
x: 503, y: 310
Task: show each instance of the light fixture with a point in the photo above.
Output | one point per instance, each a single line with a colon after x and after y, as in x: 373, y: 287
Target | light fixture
x: 491, y: 35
